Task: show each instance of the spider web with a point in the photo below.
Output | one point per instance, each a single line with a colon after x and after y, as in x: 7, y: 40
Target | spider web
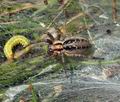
x: 91, y: 81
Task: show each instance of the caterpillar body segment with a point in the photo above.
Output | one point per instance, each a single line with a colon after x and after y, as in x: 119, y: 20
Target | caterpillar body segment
x: 12, y: 42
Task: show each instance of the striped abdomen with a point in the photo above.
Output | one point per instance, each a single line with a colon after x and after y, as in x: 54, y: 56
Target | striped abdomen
x: 77, y: 46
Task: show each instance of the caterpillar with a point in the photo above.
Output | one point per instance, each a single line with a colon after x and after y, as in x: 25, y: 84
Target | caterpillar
x: 12, y: 42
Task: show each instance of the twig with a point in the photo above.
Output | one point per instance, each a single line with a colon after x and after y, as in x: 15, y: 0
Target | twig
x: 114, y: 10
x: 75, y: 17
x: 63, y: 5
x: 86, y: 22
x: 25, y: 6
x: 11, y: 22
x: 83, y: 27
x: 66, y: 5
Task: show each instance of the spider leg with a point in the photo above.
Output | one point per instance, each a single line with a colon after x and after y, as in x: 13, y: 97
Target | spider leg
x: 50, y: 36
x: 63, y: 63
x: 63, y: 59
x: 97, y: 58
x: 58, y: 33
x: 49, y: 41
x: 71, y: 69
x: 72, y: 73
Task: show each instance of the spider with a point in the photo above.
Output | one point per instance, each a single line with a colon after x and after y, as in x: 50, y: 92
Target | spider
x: 74, y: 46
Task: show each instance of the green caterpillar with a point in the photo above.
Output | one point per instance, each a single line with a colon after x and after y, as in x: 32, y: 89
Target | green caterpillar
x: 15, y: 40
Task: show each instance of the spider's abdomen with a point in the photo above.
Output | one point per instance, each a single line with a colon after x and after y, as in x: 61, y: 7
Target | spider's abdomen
x: 77, y: 46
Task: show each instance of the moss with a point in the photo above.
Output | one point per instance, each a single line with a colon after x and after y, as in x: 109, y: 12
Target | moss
x: 8, y: 7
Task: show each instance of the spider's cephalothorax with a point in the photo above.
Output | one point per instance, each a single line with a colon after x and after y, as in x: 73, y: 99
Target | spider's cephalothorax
x: 55, y: 44
x: 75, y: 46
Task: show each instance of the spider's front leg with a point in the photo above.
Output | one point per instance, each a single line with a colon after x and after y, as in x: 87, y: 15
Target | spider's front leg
x: 63, y: 63
x: 65, y: 67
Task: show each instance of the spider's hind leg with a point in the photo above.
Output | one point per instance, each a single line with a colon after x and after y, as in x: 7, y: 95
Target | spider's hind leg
x: 98, y: 58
